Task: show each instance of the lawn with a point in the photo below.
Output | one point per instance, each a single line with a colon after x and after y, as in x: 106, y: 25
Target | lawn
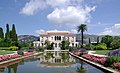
x: 4, y: 48
x: 102, y: 52
x: 3, y: 52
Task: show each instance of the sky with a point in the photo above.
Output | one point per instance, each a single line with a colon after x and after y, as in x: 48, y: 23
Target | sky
x: 33, y: 17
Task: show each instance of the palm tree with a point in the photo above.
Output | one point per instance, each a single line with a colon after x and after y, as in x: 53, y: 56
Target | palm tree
x: 82, y: 28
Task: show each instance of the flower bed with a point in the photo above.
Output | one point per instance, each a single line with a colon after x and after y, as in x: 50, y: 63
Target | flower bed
x: 77, y: 53
x: 28, y: 53
x: 116, y: 65
x: 80, y: 52
x: 114, y: 52
x: 112, y: 61
x: 8, y: 57
x: 97, y: 59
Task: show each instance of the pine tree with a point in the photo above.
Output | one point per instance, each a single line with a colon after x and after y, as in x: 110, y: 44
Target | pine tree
x: 7, y: 34
x: 1, y: 33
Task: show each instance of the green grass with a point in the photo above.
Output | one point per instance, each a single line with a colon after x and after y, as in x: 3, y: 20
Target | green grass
x: 4, y: 48
x: 102, y: 52
x: 3, y: 52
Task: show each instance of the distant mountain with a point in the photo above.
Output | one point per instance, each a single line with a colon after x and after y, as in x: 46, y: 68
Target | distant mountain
x: 93, y: 38
x: 30, y: 38
x: 27, y: 38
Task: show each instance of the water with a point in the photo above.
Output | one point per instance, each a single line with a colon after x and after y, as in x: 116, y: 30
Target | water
x: 52, y: 62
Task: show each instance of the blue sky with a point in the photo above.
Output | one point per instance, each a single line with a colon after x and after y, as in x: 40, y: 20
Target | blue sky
x: 37, y: 16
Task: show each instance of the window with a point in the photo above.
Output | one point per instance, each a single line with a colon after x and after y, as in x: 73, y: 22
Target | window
x: 35, y: 44
x: 72, y: 44
x: 59, y: 37
x: 55, y: 38
x: 59, y: 44
x: 41, y: 38
x: 72, y: 38
x: 76, y: 45
x: 39, y: 45
x: 52, y: 38
x: 55, y: 44
x: 42, y: 44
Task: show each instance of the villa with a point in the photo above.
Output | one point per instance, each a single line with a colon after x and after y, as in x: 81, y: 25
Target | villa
x: 56, y: 37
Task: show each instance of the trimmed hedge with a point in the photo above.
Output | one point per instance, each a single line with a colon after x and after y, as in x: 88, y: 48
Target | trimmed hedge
x: 13, y: 48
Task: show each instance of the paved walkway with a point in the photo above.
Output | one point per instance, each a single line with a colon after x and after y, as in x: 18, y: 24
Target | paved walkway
x: 92, y: 53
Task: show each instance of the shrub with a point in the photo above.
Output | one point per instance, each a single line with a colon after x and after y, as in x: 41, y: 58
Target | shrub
x: 20, y: 52
x: 30, y: 49
x: 13, y: 48
x: 89, y: 47
x: 111, y: 60
x: 101, y: 46
x: 115, y: 44
x: 72, y: 48
x: 40, y: 49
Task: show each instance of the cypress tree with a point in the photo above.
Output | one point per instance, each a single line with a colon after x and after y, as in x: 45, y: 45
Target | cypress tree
x: 10, y: 34
x: 98, y: 39
x: 89, y: 41
x: 13, y: 34
x: 7, y: 34
x: 1, y: 33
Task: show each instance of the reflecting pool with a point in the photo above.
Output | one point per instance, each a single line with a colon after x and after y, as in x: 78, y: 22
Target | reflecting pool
x: 50, y: 62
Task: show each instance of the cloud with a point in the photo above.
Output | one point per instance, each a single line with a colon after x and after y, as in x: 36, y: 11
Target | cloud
x: 70, y: 15
x: 74, y: 31
x: 113, y: 30
x: 65, y: 12
x: 39, y: 31
x: 33, y: 6
x: 57, y: 3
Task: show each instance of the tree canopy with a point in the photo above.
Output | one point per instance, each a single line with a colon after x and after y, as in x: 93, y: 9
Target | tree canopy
x: 65, y: 45
x: 1, y: 33
x: 10, y: 37
x: 107, y: 40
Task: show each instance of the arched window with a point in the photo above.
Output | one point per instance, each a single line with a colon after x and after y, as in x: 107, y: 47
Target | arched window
x: 55, y: 38
x: 55, y: 44
x: 59, y: 37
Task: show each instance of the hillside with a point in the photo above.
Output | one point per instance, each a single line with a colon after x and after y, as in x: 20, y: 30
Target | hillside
x: 27, y: 38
